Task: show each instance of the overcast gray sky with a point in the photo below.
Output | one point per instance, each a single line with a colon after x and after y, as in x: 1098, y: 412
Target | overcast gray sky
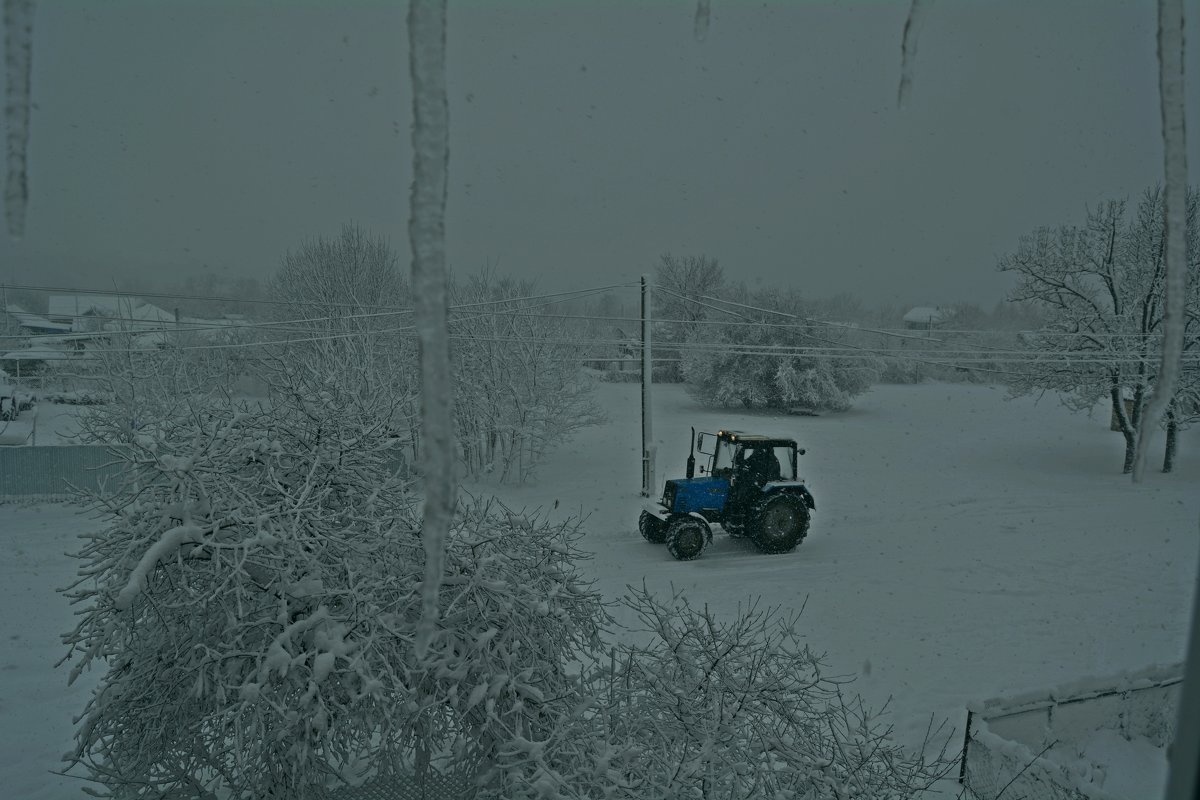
x: 589, y: 137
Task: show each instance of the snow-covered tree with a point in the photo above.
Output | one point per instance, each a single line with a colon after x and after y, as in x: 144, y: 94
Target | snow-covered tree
x: 1101, y: 288
x: 520, y: 386
x: 680, y: 284
x: 344, y: 311
x: 770, y: 355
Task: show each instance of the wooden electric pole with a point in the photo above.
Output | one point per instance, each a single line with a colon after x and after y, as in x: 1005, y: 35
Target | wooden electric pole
x: 648, y: 449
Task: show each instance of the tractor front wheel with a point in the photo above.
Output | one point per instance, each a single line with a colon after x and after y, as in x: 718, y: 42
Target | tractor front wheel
x: 653, y: 529
x: 780, y: 523
x: 687, y: 537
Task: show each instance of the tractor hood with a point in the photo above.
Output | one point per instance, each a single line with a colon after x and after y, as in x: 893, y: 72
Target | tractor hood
x: 686, y: 495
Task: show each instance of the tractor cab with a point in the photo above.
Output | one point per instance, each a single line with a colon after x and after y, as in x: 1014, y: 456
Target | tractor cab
x: 734, y: 455
x: 749, y: 486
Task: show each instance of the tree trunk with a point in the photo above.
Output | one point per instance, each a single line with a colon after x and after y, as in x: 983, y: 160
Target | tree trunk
x: 1127, y: 424
x: 1172, y: 441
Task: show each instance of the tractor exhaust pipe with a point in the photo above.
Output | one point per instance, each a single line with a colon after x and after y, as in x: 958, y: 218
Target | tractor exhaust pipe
x: 691, y: 462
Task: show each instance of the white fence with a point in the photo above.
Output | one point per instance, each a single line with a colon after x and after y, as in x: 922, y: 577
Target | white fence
x: 56, y: 473
x: 1092, y: 740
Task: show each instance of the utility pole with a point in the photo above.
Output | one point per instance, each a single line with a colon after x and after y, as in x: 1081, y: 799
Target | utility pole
x: 648, y: 449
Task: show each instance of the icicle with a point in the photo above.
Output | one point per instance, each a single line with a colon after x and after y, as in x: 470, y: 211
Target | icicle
x: 703, y: 12
x: 1171, y: 98
x: 427, y: 238
x: 908, y: 49
x: 18, y: 48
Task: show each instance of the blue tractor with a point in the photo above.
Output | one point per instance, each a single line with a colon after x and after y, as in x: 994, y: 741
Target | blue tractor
x: 750, y: 488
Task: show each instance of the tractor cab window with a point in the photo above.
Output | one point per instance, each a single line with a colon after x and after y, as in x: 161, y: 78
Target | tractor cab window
x: 756, y: 462
x: 784, y: 456
x: 723, y: 460
x: 761, y: 462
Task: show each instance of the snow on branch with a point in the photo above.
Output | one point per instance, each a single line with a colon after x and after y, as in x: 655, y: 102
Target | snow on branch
x: 164, y: 548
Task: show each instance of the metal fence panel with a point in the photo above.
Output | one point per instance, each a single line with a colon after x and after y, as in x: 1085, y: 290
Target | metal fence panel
x: 55, y: 473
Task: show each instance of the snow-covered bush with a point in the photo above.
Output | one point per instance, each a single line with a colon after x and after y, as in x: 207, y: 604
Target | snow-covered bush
x: 778, y: 361
x: 520, y: 386
x: 742, y: 709
x: 253, y: 603
x: 519, y: 382
x: 132, y: 389
x: 344, y: 308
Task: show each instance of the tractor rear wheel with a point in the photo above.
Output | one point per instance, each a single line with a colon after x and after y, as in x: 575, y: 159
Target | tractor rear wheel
x: 653, y: 529
x: 780, y: 523
x: 687, y: 537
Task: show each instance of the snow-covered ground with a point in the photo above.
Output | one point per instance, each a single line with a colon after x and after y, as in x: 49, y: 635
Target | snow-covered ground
x: 964, y: 547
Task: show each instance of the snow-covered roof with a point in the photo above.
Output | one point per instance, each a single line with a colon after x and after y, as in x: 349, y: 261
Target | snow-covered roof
x: 35, y: 322
x: 77, y: 305
x: 70, y: 306
x: 41, y: 354
x: 926, y: 315
x: 69, y: 339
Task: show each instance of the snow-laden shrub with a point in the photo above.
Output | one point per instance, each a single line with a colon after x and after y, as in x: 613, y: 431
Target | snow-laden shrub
x: 132, y: 388
x: 778, y: 361
x: 520, y: 388
x: 741, y: 708
x: 252, y: 604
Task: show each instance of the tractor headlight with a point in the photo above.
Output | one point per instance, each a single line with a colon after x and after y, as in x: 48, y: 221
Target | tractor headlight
x: 668, y: 498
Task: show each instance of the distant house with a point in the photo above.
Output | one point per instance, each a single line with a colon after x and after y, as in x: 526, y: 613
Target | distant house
x: 926, y: 318
x: 31, y: 324
x: 95, y: 311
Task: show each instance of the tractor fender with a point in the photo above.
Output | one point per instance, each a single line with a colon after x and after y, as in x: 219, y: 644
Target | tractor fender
x: 791, y: 487
x: 656, y: 510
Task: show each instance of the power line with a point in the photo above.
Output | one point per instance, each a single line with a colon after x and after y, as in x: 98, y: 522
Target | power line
x: 839, y: 351
x: 169, y: 326
x: 890, y: 354
x: 263, y: 301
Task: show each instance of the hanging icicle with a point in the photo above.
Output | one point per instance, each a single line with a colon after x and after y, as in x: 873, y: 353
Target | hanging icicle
x: 427, y: 238
x: 703, y: 12
x: 18, y: 49
x: 908, y: 49
x: 1171, y: 99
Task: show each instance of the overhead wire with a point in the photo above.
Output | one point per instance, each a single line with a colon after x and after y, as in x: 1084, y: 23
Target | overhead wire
x: 877, y: 353
x: 835, y: 350
x: 290, y: 302
x: 146, y: 326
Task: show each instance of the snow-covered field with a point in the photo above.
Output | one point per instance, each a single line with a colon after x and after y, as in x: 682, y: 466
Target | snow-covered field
x: 964, y: 547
